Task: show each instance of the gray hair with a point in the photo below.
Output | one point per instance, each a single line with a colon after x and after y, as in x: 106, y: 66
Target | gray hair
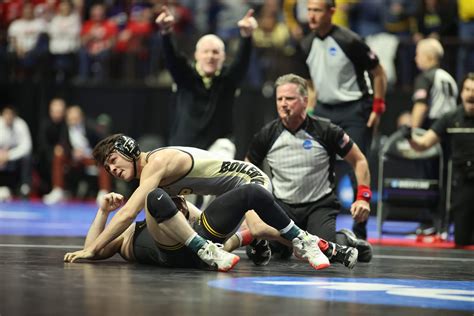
x: 213, y: 38
x: 297, y: 80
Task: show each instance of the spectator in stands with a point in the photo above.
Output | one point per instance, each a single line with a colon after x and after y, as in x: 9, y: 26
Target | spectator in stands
x: 64, y: 40
x: 15, y: 154
x: 226, y: 17
x: 75, y: 151
x: 296, y: 17
x: 28, y: 44
x: 367, y: 21
x: 52, y: 130
x: 98, y: 36
x: 399, y: 18
x: 466, y: 36
x: 272, y: 41
x: 133, y: 44
x: 436, y: 18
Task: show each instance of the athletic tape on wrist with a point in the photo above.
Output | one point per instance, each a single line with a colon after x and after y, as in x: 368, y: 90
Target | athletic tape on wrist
x: 378, y: 106
x: 364, y: 193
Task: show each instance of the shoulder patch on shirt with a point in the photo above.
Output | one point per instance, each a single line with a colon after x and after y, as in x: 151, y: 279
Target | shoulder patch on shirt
x: 344, y: 140
x: 372, y: 55
x: 420, y: 94
x: 332, y: 51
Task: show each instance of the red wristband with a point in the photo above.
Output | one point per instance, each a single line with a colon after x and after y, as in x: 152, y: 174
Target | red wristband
x: 378, y: 106
x: 364, y: 193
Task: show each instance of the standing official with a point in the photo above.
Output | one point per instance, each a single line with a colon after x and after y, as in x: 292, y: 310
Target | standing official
x: 340, y: 64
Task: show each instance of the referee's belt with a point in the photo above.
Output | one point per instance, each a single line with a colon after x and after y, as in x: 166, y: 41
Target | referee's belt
x: 341, y: 104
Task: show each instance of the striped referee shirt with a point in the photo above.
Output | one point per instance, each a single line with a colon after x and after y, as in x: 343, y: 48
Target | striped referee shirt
x: 301, y: 163
x: 438, y: 90
x: 337, y: 64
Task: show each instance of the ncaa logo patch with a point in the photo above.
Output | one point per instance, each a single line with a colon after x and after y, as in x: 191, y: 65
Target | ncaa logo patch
x: 433, y: 294
x: 307, y: 144
x: 332, y: 51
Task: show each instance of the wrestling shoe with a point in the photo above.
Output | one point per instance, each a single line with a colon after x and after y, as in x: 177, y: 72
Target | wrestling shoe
x: 259, y: 252
x: 280, y: 251
x: 216, y: 257
x: 341, y: 254
x: 305, y: 246
x: 363, y: 246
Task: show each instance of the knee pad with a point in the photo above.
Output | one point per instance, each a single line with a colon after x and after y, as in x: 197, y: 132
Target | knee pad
x: 160, y: 205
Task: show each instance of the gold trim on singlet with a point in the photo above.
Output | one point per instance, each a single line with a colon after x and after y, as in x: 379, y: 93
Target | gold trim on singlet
x: 209, y: 228
x: 172, y: 247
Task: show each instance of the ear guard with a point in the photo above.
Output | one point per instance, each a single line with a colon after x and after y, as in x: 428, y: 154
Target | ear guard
x: 128, y: 147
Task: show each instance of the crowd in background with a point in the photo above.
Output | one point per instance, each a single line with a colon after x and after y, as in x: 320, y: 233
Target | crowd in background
x: 118, y: 39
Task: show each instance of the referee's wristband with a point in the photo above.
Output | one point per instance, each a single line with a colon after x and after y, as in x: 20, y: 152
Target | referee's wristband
x: 364, y: 193
x: 378, y: 106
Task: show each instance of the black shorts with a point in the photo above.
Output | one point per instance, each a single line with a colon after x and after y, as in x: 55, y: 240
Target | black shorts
x: 148, y: 251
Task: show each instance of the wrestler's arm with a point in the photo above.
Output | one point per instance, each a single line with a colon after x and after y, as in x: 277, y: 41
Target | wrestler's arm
x: 150, y: 178
x: 110, y: 202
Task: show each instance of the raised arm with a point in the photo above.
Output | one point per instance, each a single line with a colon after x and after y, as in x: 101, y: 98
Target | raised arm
x: 176, y: 63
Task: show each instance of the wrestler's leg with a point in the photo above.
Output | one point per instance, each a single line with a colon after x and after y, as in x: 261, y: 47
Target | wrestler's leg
x: 168, y: 226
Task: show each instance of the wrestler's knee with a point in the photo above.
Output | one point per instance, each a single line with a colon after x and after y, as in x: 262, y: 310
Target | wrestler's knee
x: 258, y: 195
x: 160, y: 205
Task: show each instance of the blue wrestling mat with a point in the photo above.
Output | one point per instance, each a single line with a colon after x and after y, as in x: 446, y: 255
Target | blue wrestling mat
x: 450, y: 295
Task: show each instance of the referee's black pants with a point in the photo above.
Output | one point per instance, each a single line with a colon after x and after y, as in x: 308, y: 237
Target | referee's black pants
x: 318, y: 218
x: 352, y: 117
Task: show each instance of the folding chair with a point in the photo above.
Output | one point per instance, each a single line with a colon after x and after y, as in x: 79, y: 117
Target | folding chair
x: 410, y: 183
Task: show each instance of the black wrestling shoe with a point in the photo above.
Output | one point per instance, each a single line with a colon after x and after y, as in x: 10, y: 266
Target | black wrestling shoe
x: 280, y: 251
x: 341, y: 254
x: 363, y: 246
x: 259, y: 252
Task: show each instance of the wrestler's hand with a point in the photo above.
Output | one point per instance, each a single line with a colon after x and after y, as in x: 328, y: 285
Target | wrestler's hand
x: 165, y: 20
x: 180, y: 203
x: 81, y: 254
x: 111, y: 201
x: 247, y: 24
x: 360, y: 210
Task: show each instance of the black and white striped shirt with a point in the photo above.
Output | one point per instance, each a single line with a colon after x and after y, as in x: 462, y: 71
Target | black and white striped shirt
x: 338, y: 64
x: 301, y: 163
x: 438, y: 90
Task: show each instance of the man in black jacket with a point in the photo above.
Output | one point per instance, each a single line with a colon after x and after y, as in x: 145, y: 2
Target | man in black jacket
x: 206, y: 88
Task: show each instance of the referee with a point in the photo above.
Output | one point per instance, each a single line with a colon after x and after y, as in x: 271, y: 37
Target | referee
x: 458, y: 127
x: 301, y: 152
x: 341, y: 65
